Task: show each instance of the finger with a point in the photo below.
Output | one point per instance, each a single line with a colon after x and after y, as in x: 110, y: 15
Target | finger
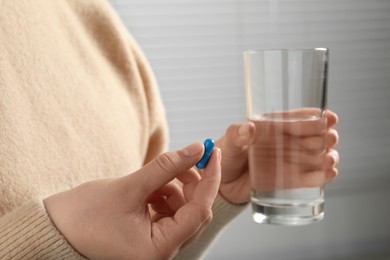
x: 234, y: 145
x: 309, y: 144
x: 190, y: 181
x: 207, y: 189
x: 305, y: 159
x: 332, y: 118
x: 165, y: 168
x: 301, y: 122
x: 159, y: 207
x: 331, y: 138
x: 328, y: 140
x: 196, y: 213
x: 173, y: 198
x: 237, y: 137
x: 312, y: 127
x: 331, y: 174
x: 317, y: 178
x: 313, y: 179
x: 296, y: 113
x: 332, y: 158
x: 313, y: 143
x: 192, y: 176
x: 298, y: 128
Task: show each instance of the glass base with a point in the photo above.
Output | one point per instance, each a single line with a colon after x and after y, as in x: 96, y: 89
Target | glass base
x: 288, y: 215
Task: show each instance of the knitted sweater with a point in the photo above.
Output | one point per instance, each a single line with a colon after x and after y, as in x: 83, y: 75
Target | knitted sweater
x: 78, y: 102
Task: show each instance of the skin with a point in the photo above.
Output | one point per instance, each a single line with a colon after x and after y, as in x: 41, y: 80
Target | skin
x: 235, y: 183
x: 144, y: 215
x: 155, y: 211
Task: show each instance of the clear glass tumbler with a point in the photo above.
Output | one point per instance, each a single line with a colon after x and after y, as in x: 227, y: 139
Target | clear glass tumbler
x: 286, y: 98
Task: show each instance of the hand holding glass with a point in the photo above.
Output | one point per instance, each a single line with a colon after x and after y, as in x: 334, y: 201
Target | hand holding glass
x: 286, y: 98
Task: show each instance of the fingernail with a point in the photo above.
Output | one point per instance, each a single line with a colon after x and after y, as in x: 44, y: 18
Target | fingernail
x: 192, y: 149
x: 219, y: 154
x: 335, y: 158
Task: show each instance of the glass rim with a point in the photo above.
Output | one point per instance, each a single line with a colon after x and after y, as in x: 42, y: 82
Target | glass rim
x: 259, y: 50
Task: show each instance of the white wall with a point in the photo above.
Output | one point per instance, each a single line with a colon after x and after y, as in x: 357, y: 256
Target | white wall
x: 195, y: 48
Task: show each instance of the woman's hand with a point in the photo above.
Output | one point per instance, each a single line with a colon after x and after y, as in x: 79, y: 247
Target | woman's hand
x: 144, y: 215
x: 235, y: 184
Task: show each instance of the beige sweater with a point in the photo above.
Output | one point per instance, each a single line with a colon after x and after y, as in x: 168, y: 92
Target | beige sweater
x: 77, y: 102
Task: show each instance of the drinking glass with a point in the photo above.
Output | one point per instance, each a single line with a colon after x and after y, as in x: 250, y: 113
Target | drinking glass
x: 286, y: 92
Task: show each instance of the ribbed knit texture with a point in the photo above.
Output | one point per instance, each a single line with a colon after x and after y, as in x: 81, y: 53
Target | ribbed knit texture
x: 28, y: 233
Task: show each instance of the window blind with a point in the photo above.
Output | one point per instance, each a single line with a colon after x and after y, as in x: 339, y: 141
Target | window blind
x: 195, y: 48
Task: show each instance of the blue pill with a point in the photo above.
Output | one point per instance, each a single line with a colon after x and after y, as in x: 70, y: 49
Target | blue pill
x: 208, y: 150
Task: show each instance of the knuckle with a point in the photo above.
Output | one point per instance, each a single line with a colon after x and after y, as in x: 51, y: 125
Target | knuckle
x: 209, y: 218
x: 319, y: 159
x: 231, y: 129
x: 332, y: 161
x: 335, y: 137
x: 315, y: 160
x: 205, y: 213
x: 333, y: 158
x: 168, y: 161
x: 313, y: 143
x: 330, y: 139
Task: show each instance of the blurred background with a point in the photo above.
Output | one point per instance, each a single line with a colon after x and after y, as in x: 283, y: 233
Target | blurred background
x: 195, y: 48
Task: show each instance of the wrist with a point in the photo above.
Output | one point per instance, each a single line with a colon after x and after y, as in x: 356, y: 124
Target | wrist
x: 234, y: 194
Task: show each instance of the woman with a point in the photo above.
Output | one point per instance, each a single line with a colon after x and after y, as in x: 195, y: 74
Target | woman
x: 82, y: 136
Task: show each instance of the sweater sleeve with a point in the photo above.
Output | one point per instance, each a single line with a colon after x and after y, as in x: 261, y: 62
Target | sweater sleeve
x: 30, y: 222
x: 223, y: 213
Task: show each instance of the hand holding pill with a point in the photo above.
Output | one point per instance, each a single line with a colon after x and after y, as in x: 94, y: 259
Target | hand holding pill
x: 168, y: 202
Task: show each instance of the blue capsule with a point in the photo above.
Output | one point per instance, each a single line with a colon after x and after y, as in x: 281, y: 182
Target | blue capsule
x: 208, y: 150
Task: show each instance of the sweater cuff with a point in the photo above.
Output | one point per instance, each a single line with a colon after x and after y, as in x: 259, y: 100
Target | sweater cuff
x: 28, y: 233
x: 223, y: 213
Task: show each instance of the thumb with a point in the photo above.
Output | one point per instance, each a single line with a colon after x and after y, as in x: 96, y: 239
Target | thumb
x: 234, y: 145
x: 238, y: 136
x: 166, y: 167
